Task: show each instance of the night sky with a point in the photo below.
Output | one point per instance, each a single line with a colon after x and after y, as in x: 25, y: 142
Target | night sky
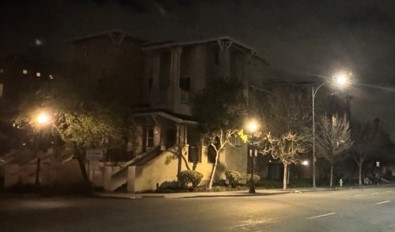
x: 308, y: 37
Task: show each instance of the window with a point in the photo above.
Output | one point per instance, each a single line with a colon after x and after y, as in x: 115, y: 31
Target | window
x: 150, y: 84
x: 216, y: 56
x: 185, y: 83
x: 150, y: 136
x: 38, y: 74
x: 24, y: 71
x: 211, y: 154
x: 194, y: 155
x: 185, y: 87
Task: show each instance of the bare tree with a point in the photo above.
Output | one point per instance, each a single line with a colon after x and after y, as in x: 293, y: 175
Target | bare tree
x: 286, y: 114
x: 220, y: 111
x: 334, y: 137
x: 286, y: 148
x: 364, y: 135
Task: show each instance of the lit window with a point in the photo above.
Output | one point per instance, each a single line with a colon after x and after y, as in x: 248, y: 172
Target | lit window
x: 38, y: 42
x: 24, y: 71
x: 38, y: 74
x: 50, y: 76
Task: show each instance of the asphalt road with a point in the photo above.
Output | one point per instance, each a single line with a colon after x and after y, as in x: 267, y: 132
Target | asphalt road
x: 349, y: 210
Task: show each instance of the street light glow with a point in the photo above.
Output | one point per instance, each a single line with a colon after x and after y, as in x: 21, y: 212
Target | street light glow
x: 305, y: 163
x: 252, y: 126
x: 342, y: 79
x: 42, y: 118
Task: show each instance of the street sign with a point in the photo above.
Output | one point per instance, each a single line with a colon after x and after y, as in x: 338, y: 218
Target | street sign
x: 94, y: 154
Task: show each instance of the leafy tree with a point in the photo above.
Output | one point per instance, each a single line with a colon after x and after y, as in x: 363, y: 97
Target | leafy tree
x: 219, y: 110
x: 81, y: 117
x: 334, y: 137
x: 364, y: 135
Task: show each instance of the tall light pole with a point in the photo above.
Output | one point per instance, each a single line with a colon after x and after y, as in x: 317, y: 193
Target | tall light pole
x: 314, y: 91
x: 252, y: 127
x: 341, y: 80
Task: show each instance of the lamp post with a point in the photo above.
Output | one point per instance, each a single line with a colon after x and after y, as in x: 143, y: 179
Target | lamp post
x: 252, y: 127
x: 42, y: 120
x: 341, y: 80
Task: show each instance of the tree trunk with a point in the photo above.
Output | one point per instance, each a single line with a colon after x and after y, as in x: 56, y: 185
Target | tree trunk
x: 37, y: 182
x: 285, y: 176
x: 331, y: 177
x: 84, y: 173
x: 210, y: 183
x: 179, y: 170
x: 360, y: 165
x: 81, y: 163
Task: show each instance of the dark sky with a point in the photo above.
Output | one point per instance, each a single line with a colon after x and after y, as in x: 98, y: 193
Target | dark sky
x: 306, y: 36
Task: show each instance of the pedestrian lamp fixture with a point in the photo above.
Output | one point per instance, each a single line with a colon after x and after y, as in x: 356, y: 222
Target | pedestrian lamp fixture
x: 42, y: 120
x: 252, y: 127
x: 340, y: 80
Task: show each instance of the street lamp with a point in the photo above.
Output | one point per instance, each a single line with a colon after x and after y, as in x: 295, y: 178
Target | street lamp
x: 305, y: 163
x: 252, y: 127
x: 42, y: 119
x: 341, y: 80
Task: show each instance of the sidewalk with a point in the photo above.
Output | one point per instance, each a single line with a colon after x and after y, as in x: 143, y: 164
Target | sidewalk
x: 245, y: 193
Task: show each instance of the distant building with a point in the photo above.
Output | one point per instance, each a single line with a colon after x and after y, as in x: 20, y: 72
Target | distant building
x: 23, y: 74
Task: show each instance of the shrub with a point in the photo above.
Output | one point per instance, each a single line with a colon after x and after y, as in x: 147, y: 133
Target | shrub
x: 234, y: 177
x: 190, y: 177
x: 255, y: 178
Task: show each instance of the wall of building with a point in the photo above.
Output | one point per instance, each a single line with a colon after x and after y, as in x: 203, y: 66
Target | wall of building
x: 117, y: 65
x: 51, y: 173
x: 236, y: 159
x: 155, y: 173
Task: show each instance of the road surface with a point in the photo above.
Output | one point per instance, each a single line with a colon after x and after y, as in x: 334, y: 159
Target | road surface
x: 367, y: 210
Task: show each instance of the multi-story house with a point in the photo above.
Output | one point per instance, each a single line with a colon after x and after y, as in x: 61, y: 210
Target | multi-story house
x: 174, y: 72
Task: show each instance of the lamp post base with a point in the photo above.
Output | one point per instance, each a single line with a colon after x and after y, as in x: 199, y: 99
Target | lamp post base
x: 252, y: 189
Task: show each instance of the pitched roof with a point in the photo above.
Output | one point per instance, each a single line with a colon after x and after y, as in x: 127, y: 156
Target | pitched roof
x: 109, y: 33
x: 196, y: 42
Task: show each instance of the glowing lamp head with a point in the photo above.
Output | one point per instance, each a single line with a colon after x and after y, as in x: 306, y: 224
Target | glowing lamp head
x: 252, y: 126
x: 342, y: 79
x: 42, y: 118
x: 305, y: 163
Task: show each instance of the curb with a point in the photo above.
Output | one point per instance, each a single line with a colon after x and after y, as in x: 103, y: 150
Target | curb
x: 229, y: 194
